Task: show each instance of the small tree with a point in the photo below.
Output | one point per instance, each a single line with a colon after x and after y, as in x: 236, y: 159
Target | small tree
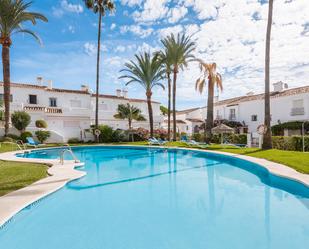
x: 20, y: 120
x: 130, y: 113
x: 42, y: 135
x: 41, y: 123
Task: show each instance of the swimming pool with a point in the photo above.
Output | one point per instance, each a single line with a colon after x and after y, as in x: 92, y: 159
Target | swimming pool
x: 138, y: 198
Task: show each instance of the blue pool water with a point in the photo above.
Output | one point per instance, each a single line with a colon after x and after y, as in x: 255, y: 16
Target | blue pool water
x: 143, y: 198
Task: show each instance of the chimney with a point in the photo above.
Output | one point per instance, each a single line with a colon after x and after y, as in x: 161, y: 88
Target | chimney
x: 278, y: 86
x: 50, y: 84
x: 84, y: 88
x: 39, y: 80
x: 125, y: 93
x: 118, y: 93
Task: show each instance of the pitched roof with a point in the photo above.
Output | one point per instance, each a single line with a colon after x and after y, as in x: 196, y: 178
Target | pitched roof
x: 288, y: 92
x: 33, y: 86
x: 187, y: 110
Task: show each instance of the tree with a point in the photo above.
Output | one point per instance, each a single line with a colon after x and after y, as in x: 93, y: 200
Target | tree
x: 163, y: 110
x: 99, y: 7
x: 213, y: 79
x: 42, y: 136
x: 13, y: 13
x: 130, y: 113
x: 147, y: 71
x: 180, y: 50
x: 267, y: 143
x: 20, y: 120
x: 166, y: 60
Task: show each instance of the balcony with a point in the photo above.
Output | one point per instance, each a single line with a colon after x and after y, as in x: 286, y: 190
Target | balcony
x: 297, y: 111
x: 43, y: 109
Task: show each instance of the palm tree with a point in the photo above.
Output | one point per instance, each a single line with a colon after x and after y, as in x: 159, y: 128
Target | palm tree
x: 166, y: 61
x: 180, y: 50
x: 99, y: 7
x: 148, y: 72
x: 13, y: 13
x: 267, y: 143
x: 130, y: 113
x: 213, y: 79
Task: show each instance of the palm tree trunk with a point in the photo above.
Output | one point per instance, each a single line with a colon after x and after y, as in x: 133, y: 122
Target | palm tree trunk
x: 174, y: 105
x: 267, y: 143
x: 169, y: 107
x: 98, y: 76
x: 210, y: 112
x: 6, y: 85
x: 149, y: 94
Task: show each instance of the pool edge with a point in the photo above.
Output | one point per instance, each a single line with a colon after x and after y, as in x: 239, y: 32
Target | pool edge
x: 62, y: 174
x: 59, y: 175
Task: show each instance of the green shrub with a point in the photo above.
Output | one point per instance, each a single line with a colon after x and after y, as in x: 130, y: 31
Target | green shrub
x: 20, y: 120
x: 119, y: 136
x: 198, y: 137
x: 13, y: 136
x: 278, y: 129
x: 24, y: 136
x: 106, y: 135
x: 293, y: 143
x: 42, y: 135
x: 41, y: 123
x: 74, y: 140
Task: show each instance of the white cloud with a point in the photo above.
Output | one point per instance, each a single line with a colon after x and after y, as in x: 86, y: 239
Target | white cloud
x: 120, y: 48
x: 137, y: 30
x: 131, y: 3
x: 90, y: 48
x: 175, y: 14
x: 173, y: 29
x: 113, y: 26
x: 152, y: 11
x: 74, y: 8
x: 65, y: 6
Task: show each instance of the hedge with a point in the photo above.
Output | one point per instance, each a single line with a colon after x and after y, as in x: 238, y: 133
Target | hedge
x: 278, y: 129
x: 294, y: 143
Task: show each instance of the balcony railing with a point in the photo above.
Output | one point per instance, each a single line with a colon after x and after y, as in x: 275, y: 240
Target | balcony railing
x: 42, y: 109
x: 297, y: 111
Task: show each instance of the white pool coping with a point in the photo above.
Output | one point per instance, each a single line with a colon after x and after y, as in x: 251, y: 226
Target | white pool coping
x: 60, y: 175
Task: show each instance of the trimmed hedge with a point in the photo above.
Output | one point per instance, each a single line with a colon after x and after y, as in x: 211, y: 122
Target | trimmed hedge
x: 294, y: 143
x: 278, y: 129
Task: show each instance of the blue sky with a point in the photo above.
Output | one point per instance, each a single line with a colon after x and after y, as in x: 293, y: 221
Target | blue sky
x: 231, y: 33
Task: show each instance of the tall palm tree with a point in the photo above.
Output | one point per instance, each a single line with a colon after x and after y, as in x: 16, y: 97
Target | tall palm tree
x: 147, y: 71
x: 13, y: 13
x: 99, y: 7
x: 267, y: 143
x: 130, y: 113
x: 213, y: 79
x: 166, y: 61
x: 180, y: 50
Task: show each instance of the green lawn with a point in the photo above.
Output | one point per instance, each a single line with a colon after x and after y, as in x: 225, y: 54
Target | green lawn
x: 16, y: 175
x: 296, y: 160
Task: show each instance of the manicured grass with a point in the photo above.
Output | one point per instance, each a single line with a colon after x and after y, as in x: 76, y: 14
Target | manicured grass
x: 16, y: 175
x: 294, y: 159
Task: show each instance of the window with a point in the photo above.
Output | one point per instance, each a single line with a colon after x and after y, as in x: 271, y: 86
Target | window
x: 298, y: 103
x: 232, y: 114
x: 298, y: 107
x: 2, y: 97
x: 33, y: 99
x: 254, y: 118
x: 76, y: 103
x: 52, y: 102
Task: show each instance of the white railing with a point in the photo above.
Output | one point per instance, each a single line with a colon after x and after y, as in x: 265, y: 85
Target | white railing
x: 69, y: 150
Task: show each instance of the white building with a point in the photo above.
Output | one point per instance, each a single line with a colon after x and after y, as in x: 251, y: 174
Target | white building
x: 69, y: 113
x: 286, y: 105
